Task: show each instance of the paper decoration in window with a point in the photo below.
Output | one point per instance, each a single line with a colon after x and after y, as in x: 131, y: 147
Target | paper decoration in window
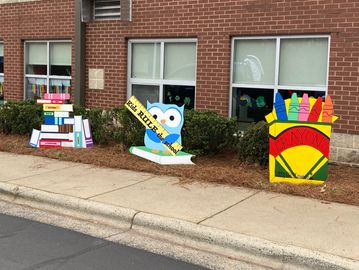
x: 59, y: 129
x: 300, y: 130
x: 163, y: 132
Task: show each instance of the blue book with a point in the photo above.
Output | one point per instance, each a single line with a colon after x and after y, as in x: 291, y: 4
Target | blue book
x: 49, y: 120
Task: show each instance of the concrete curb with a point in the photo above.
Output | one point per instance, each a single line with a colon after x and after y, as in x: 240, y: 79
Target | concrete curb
x: 116, y: 217
x: 229, y: 244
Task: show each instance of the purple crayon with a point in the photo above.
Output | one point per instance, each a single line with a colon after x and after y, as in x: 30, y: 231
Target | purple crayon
x: 304, y: 108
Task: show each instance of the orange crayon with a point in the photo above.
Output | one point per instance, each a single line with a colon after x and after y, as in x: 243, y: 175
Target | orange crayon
x: 328, y: 110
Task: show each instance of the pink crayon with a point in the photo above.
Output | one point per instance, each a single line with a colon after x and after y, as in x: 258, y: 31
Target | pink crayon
x: 304, y: 108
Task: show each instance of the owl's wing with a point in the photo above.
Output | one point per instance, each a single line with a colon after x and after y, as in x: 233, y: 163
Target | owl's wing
x: 171, y: 138
x: 152, y: 135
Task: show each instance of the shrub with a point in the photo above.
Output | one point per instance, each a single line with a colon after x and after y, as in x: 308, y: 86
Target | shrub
x: 207, y: 132
x: 101, y: 125
x: 128, y: 130
x: 20, y: 117
x: 253, y: 145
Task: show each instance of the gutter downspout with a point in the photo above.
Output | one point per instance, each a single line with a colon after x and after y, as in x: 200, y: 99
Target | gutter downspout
x: 80, y: 64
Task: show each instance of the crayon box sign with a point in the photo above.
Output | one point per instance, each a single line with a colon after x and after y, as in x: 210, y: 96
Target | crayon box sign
x: 299, y: 139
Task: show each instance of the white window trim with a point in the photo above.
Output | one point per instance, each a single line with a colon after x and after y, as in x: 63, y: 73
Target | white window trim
x: 48, y: 77
x: 161, y: 81
x: 276, y: 85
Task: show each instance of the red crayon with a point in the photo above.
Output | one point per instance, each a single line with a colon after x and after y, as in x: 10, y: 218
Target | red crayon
x: 316, y: 110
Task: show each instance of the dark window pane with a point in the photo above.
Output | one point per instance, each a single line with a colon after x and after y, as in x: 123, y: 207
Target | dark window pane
x: 1, y: 88
x: 146, y: 93
x: 288, y: 93
x: 1, y: 64
x: 36, y: 69
x: 61, y: 70
x: 179, y: 95
x: 251, y: 105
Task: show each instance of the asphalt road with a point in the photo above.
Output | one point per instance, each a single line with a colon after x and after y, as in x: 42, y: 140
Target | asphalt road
x: 28, y: 245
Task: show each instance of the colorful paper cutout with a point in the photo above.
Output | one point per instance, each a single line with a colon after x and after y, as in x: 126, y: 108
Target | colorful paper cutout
x: 299, y: 147
x: 162, y: 141
x: 59, y: 129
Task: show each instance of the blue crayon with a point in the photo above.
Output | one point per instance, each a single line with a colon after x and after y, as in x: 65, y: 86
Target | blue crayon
x: 279, y: 106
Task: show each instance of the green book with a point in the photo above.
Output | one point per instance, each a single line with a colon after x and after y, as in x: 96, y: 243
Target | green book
x: 48, y: 113
x: 161, y: 158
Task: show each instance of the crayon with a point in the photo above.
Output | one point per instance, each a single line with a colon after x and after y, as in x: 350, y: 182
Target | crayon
x: 280, y: 107
x: 293, y: 108
x: 316, y: 110
x: 304, y: 108
x: 327, y: 110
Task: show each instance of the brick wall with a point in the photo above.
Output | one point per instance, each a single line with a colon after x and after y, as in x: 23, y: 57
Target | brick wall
x: 213, y: 23
x: 38, y: 20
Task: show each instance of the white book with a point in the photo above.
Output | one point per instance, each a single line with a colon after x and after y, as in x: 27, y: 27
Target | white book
x: 62, y: 114
x: 78, y: 133
x: 57, y: 136
x: 182, y: 158
x: 67, y: 144
x: 69, y: 121
x: 35, y: 137
x: 49, y: 128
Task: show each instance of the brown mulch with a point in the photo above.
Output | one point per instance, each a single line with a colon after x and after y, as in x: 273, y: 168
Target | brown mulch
x: 342, y: 185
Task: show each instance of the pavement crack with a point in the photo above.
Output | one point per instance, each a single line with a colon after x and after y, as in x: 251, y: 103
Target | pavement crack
x: 113, y: 190
x: 37, y: 174
x: 229, y: 207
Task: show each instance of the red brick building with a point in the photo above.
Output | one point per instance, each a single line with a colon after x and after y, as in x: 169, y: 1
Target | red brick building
x: 224, y: 55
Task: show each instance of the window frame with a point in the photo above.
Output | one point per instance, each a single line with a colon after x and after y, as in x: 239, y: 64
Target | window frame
x: 48, y: 77
x: 161, y: 82
x: 276, y: 85
x: 2, y: 43
x: 3, y: 74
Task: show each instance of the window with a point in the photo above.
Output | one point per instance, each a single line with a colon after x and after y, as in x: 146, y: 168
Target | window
x: 107, y: 9
x: 1, y: 72
x: 265, y: 65
x: 47, y: 68
x: 163, y: 71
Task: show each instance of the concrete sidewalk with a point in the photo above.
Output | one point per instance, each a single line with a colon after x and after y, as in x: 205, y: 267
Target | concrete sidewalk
x: 329, y: 228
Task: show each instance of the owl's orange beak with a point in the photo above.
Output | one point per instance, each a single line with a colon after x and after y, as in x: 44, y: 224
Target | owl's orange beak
x: 163, y: 121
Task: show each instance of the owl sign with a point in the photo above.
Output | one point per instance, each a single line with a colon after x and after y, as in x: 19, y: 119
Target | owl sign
x: 163, y: 132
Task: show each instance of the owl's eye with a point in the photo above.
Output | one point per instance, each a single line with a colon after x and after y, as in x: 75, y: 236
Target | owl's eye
x: 173, y: 118
x: 156, y: 113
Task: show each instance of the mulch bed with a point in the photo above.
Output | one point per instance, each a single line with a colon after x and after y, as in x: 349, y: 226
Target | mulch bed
x: 342, y: 185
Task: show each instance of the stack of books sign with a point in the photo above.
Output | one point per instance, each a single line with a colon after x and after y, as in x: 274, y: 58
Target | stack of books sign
x: 60, y: 129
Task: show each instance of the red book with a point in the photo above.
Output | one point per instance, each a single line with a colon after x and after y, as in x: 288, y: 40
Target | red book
x: 50, y: 101
x: 316, y: 110
x: 50, y: 143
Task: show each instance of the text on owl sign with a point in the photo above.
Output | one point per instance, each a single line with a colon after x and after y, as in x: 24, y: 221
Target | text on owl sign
x: 141, y: 113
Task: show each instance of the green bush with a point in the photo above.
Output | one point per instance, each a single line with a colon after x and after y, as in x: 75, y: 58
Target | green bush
x: 128, y: 130
x: 101, y: 125
x: 253, y: 145
x: 207, y: 132
x: 20, y: 117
